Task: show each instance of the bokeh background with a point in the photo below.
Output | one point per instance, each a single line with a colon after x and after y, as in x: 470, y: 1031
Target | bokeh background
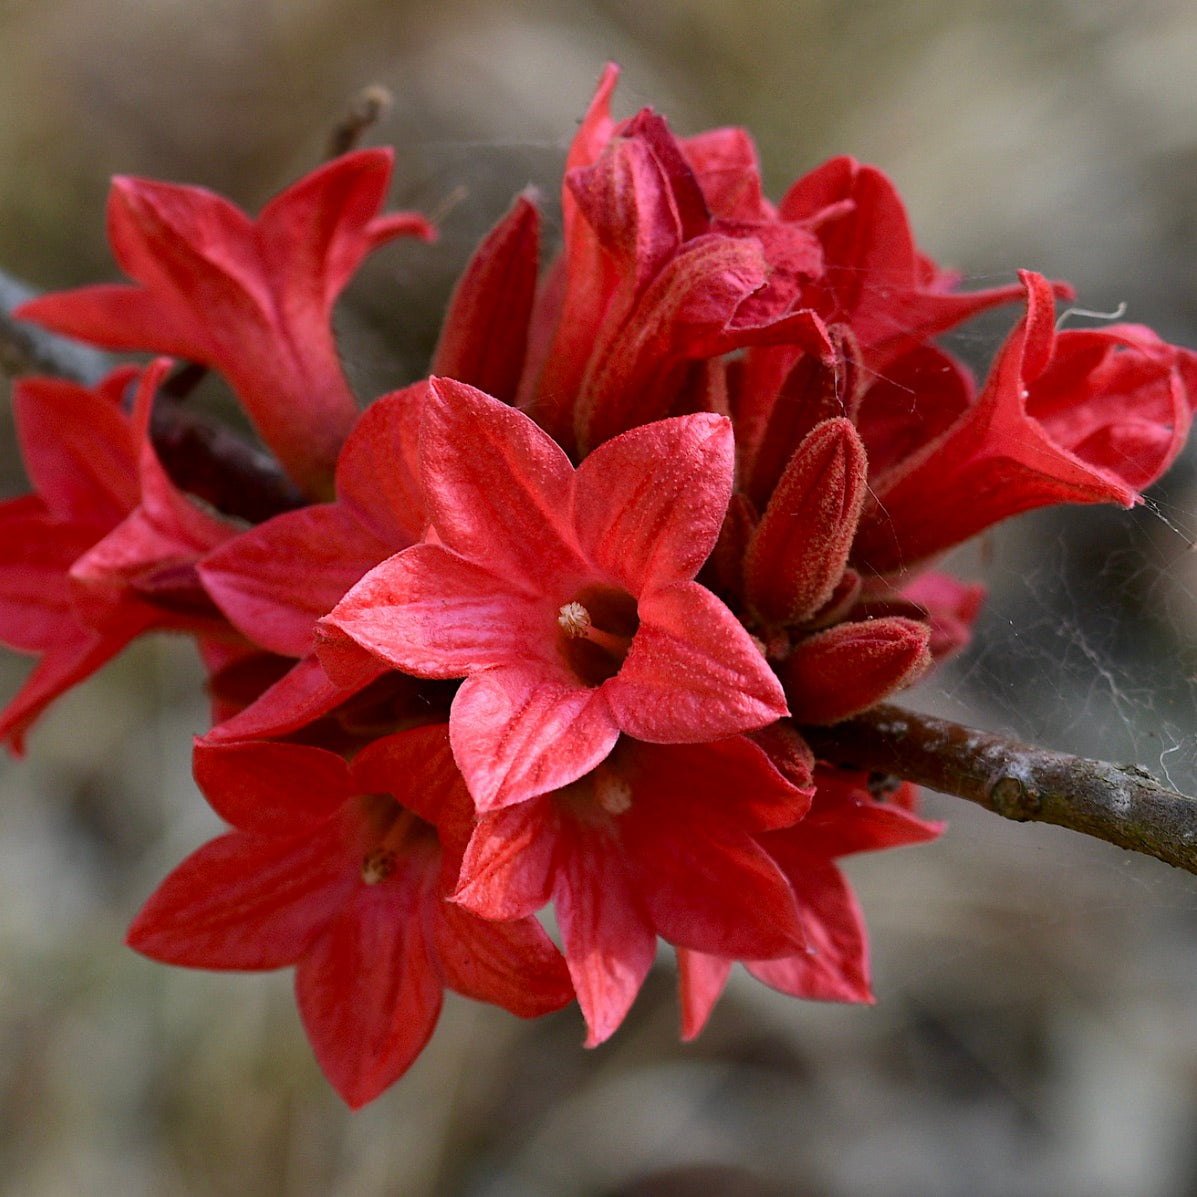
x: 1036, y: 1029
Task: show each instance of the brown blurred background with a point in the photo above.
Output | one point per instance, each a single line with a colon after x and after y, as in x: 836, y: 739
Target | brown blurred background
x: 1036, y: 1031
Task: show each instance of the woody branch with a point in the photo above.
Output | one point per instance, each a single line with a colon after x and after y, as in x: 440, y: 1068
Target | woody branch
x: 1121, y: 804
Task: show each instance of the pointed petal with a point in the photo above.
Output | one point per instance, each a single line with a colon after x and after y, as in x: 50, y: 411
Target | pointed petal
x: 378, y: 470
x: 270, y: 788
x: 369, y: 992
x: 74, y: 658
x: 517, y: 733
x: 712, y: 888
x: 649, y: 504
x: 485, y: 333
x: 609, y: 942
x: 244, y: 902
x: 36, y: 552
x: 302, y: 695
x: 274, y: 581
x: 79, y: 448
x: 509, y: 964
x: 497, y: 487
x: 507, y: 871
x: 700, y: 980
x: 835, y: 966
x: 433, y: 613
x: 693, y: 673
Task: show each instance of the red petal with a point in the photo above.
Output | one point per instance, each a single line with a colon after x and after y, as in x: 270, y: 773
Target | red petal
x: 378, y: 470
x: 497, y: 487
x: 245, y: 902
x: 79, y: 448
x: 300, y: 696
x: 609, y: 942
x: 693, y: 672
x: 649, y: 504
x: 369, y: 991
x: 269, y: 788
x: 507, y: 871
x: 485, y: 333
x: 36, y: 552
x: 430, y: 612
x: 274, y: 581
x: 835, y: 965
x: 76, y: 656
x: 725, y: 162
x: 700, y: 981
x: 509, y: 964
x: 517, y: 733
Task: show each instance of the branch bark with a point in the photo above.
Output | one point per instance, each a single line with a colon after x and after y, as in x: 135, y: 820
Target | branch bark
x: 1121, y: 804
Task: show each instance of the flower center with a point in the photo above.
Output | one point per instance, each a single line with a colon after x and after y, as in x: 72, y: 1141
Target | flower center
x: 597, y: 627
x: 394, y: 833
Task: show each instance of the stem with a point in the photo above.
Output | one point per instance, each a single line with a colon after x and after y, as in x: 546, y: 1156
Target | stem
x: 1121, y: 804
x: 28, y: 349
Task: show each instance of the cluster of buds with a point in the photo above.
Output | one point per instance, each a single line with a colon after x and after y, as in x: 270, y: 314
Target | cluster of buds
x: 543, y: 630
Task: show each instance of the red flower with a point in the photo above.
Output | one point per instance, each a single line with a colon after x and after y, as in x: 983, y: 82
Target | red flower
x: 653, y: 281
x: 252, y: 298
x: 1087, y: 416
x: 875, y: 279
x: 327, y: 871
x: 658, y: 841
x: 833, y: 966
x: 565, y: 598
x: 105, y: 550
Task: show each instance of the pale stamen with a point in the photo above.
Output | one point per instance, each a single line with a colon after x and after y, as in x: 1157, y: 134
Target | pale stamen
x: 613, y: 793
x: 574, y: 620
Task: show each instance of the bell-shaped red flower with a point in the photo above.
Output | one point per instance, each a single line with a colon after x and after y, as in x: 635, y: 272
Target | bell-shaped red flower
x: 658, y: 841
x: 1085, y: 416
x: 105, y: 550
x: 252, y: 298
x: 343, y: 870
x: 564, y: 597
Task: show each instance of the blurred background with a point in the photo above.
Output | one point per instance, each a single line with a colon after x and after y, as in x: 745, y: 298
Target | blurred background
x: 1036, y: 1025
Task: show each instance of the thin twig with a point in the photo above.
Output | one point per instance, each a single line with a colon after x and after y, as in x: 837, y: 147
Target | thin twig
x: 28, y: 349
x: 369, y: 106
x: 1121, y: 804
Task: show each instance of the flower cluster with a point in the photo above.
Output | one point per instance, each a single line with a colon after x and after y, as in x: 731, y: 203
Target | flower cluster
x: 544, y: 629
